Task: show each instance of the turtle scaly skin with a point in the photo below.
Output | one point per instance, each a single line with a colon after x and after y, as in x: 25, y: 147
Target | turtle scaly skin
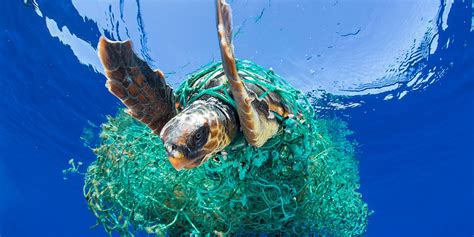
x: 201, y: 130
x: 207, y: 125
x: 191, y: 136
x: 144, y: 91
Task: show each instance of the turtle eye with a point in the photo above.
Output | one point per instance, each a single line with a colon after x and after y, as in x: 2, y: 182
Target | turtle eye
x: 199, y: 138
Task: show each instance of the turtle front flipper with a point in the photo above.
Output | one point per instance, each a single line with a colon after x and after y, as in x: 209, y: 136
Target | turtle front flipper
x: 255, y: 123
x: 144, y: 91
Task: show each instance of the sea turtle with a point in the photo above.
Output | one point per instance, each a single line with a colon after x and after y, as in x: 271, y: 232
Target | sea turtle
x: 193, y: 133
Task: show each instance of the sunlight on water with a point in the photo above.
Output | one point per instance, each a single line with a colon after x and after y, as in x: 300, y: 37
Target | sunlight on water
x: 343, y: 48
x: 84, y: 52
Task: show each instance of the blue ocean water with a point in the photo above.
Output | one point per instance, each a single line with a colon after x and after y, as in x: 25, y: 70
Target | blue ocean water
x: 404, y: 69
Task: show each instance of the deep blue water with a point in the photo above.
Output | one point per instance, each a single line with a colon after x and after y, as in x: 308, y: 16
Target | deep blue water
x: 412, y: 116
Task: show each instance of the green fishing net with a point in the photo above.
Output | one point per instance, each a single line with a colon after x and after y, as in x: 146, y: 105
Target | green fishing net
x: 302, y: 181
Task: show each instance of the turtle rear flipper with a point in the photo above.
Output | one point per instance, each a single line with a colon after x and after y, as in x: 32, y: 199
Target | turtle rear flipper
x: 253, y: 113
x: 144, y: 91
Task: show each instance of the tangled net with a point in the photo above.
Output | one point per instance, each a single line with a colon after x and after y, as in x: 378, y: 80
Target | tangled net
x: 302, y: 181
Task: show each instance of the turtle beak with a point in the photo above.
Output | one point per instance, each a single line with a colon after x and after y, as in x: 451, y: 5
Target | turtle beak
x: 176, y: 158
x: 181, y: 162
x: 178, y: 162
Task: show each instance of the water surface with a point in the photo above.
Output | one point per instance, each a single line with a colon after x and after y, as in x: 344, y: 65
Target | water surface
x: 405, y: 67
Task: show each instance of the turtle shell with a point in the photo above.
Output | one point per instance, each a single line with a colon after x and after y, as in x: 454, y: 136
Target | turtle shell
x: 211, y: 81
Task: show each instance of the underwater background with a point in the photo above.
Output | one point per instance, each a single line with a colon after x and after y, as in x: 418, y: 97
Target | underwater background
x: 400, y: 73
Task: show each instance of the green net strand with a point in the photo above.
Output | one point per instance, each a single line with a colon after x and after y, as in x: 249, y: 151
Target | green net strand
x: 302, y: 181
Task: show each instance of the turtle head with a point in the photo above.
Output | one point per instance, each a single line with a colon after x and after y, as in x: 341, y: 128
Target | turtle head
x: 196, y: 134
